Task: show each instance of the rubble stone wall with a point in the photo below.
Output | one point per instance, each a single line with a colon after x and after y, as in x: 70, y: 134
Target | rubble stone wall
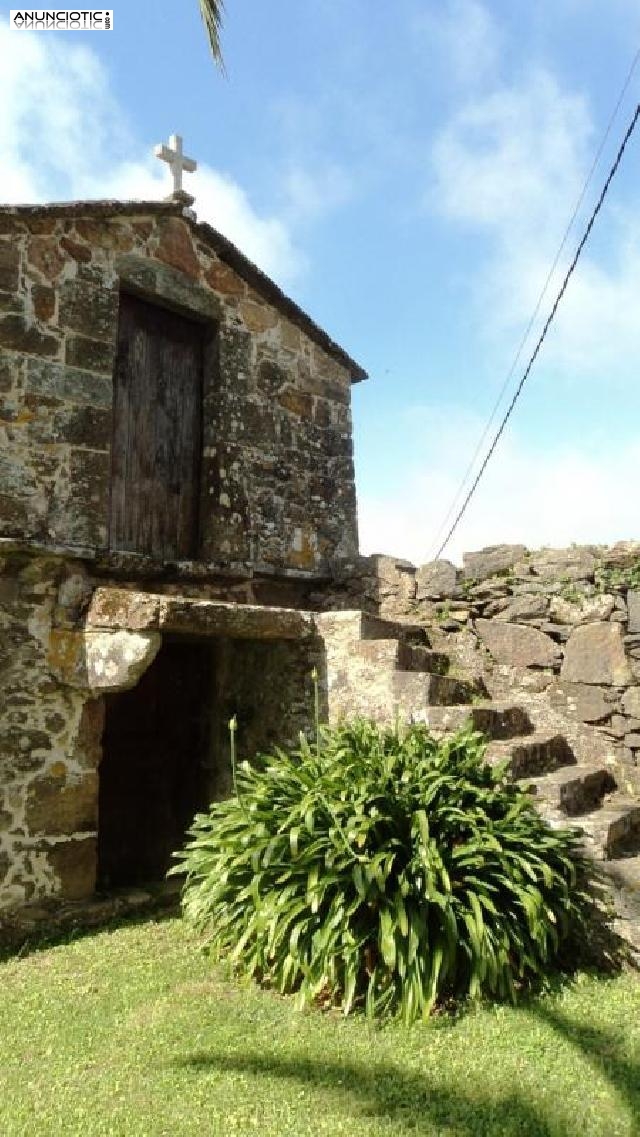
x: 49, y: 734
x: 64, y: 645
x: 563, y: 622
x: 277, y: 471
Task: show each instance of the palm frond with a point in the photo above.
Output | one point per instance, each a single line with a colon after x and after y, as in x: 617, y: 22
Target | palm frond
x: 211, y: 12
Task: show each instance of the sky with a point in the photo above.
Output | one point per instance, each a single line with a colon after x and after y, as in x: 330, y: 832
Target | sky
x: 406, y: 172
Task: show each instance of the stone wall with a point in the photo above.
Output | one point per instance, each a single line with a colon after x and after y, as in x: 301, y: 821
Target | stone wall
x: 64, y: 645
x: 560, y: 622
x: 268, y: 688
x: 277, y: 473
x: 48, y: 733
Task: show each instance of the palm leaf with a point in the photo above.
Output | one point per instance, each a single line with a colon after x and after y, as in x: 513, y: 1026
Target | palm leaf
x: 211, y: 12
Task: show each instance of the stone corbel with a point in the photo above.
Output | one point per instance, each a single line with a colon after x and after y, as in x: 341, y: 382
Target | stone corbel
x: 101, y: 661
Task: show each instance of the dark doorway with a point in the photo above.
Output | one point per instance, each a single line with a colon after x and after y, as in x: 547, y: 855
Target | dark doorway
x: 157, y: 432
x: 156, y: 770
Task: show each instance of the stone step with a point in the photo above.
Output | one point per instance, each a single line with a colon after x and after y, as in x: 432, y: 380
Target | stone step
x: 495, y: 720
x: 614, y: 829
x: 414, y: 691
x: 531, y: 757
x: 375, y: 628
x: 623, y: 876
x: 572, y: 789
x: 403, y: 656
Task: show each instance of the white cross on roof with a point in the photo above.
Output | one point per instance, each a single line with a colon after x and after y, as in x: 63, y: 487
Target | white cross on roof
x: 173, y: 155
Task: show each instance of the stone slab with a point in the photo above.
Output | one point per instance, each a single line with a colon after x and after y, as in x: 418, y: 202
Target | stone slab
x: 518, y: 645
x: 524, y: 607
x: 633, y: 606
x: 113, y: 608
x: 570, y: 564
x: 494, y: 559
x: 61, y: 804
x: 74, y: 863
x: 587, y: 610
x: 587, y: 703
x: 594, y: 653
x: 435, y: 580
x: 631, y: 702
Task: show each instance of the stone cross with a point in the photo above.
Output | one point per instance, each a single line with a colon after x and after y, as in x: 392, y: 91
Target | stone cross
x: 173, y: 155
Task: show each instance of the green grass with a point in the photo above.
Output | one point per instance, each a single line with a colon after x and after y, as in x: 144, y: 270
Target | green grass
x: 132, y: 1033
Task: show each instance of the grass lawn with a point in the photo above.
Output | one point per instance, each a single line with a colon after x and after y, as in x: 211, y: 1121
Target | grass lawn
x: 131, y: 1032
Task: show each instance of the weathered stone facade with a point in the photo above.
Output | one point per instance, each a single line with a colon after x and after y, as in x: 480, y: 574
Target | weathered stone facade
x: 82, y: 622
x: 119, y: 669
x: 277, y: 486
x: 60, y: 663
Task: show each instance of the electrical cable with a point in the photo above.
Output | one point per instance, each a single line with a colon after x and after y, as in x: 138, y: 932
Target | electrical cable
x: 541, y: 296
x: 545, y: 329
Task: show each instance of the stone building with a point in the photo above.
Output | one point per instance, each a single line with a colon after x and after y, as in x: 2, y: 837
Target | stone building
x: 176, y: 491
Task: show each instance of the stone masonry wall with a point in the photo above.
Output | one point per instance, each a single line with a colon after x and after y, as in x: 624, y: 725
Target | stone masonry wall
x: 65, y: 643
x: 48, y: 732
x: 277, y: 470
x: 564, y: 623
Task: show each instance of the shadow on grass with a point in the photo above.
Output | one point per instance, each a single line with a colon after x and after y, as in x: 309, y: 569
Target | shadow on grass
x: 411, y: 1101
x: 77, y: 927
x: 604, y: 1049
x: 417, y: 1103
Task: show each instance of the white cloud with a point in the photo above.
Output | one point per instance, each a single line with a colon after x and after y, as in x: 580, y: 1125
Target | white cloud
x: 315, y: 191
x: 63, y: 136
x: 511, y: 161
x: 598, y: 330
x: 530, y: 494
x: 510, y: 167
x: 55, y: 110
x: 462, y: 36
x: 219, y: 201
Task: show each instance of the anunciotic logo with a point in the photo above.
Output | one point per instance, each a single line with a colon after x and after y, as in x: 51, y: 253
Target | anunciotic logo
x: 84, y: 20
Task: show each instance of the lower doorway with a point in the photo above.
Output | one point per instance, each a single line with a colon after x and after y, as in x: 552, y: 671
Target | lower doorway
x: 157, y: 768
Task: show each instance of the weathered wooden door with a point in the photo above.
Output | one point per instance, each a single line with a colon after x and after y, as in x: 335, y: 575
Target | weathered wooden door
x: 156, y: 770
x: 157, y: 432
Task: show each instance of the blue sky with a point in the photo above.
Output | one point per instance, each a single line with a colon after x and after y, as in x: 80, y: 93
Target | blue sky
x: 406, y: 171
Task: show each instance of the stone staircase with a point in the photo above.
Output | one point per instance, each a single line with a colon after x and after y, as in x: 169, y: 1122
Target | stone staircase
x: 389, y: 672
x: 380, y: 669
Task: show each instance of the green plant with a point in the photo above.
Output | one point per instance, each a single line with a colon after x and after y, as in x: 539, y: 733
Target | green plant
x: 612, y: 577
x: 569, y: 590
x: 507, y: 573
x: 383, y: 869
x: 443, y: 611
x: 211, y: 12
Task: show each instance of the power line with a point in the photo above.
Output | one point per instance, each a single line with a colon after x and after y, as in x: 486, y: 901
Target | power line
x: 549, y: 321
x: 543, y: 292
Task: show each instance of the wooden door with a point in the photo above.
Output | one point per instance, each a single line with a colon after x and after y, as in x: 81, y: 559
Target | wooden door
x: 157, y: 433
x: 156, y: 770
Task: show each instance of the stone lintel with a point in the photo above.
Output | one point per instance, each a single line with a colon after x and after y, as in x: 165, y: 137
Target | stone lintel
x: 124, y: 609
x: 158, y: 281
